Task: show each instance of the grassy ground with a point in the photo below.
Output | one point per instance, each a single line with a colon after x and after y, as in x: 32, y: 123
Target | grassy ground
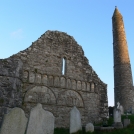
x: 128, y: 130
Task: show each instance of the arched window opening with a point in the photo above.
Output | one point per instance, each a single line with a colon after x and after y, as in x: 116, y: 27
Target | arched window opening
x: 63, y: 66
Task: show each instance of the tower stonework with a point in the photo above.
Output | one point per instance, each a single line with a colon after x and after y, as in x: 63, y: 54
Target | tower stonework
x: 123, y: 83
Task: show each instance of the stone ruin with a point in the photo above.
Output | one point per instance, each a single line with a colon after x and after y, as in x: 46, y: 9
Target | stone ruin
x: 53, y: 71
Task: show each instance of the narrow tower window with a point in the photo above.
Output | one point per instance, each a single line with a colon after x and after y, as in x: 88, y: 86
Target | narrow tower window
x: 63, y: 66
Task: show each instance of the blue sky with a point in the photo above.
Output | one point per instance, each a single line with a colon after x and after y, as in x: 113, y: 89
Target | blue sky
x: 88, y: 21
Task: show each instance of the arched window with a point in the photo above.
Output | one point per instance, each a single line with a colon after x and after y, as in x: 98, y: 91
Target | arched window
x: 63, y: 66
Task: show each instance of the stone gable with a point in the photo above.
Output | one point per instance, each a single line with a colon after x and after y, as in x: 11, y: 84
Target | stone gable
x: 58, y: 87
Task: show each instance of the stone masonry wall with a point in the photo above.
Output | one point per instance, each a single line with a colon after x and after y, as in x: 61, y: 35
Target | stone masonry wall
x: 44, y: 82
x: 10, y: 85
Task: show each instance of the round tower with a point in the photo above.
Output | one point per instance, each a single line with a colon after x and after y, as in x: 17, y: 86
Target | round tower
x: 123, y: 83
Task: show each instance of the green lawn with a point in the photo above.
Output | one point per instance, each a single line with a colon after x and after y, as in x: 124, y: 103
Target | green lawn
x: 128, y: 130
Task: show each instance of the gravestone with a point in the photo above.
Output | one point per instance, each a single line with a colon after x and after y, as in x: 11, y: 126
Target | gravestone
x: 89, y: 127
x: 126, y: 122
x: 40, y: 121
x: 117, y: 117
x: 14, y: 122
x: 75, y: 120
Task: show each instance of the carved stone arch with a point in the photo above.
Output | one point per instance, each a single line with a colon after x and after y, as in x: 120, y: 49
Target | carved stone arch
x: 50, y: 80
x: 40, y: 94
x: 44, y: 79
x: 63, y: 82
x: 68, y: 83
x: 78, y: 85
x: 38, y: 78
x: 56, y: 81
x: 88, y: 86
x: 70, y: 98
x: 96, y: 88
x: 74, y: 84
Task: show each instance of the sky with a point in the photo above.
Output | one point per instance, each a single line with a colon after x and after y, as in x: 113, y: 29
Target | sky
x: 88, y: 21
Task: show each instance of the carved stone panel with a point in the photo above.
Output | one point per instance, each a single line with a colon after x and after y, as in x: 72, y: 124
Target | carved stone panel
x: 38, y: 78
x: 44, y: 79
x: 78, y: 85
x: 63, y: 83
x: 31, y: 77
x: 40, y: 94
x: 73, y: 84
x: 83, y: 86
x: 68, y: 83
x: 88, y: 86
x: 56, y: 81
x: 70, y: 98
x: 50, y: 80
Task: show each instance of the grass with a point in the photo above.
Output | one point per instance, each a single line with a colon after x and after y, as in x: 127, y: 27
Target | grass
x: 127, y: 130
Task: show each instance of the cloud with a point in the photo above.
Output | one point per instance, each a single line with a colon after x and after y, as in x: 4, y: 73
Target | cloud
x: 18, y: 34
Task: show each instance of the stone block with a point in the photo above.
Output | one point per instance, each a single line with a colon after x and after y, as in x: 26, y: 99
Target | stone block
x: 14, y: 122
x: 89, y: 127
x: 75, y: 120
x: 40, y: 121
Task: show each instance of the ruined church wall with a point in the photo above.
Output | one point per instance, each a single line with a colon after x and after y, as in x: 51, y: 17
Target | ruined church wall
x: 10, y: 85
x: 43, y: 81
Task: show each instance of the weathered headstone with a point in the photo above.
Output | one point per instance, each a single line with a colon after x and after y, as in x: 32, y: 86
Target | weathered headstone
x: 89, y: 127
x: 40, y: 121
x: 14, y: 122
x: 117, y: 117
x: 126, y: 122
x: 75, y: 120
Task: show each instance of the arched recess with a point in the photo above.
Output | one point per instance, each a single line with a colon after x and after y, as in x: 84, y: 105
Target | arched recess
x: 70, y: 98
x: 40, y: 94
x: 92, y: 87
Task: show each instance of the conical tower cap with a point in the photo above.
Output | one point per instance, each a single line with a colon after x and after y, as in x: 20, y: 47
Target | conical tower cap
x: 116, y: 13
